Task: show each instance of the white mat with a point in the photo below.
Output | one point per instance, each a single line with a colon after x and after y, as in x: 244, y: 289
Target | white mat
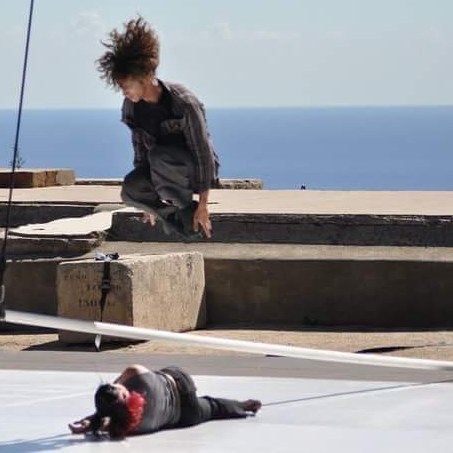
x: 300, y: 415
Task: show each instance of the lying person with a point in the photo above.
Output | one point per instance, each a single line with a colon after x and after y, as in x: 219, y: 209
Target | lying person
x: 141, y: 401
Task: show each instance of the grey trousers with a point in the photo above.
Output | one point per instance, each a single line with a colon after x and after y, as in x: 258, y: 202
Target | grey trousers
x: 168, y: 175
x: 195, y: 409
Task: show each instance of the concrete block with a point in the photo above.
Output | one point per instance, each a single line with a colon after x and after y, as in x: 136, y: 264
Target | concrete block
x: 163, y: 292
x: 29, y: 178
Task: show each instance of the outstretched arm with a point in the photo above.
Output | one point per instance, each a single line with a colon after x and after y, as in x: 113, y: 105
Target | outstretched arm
x: 86, y: 425
x: 81, y: 426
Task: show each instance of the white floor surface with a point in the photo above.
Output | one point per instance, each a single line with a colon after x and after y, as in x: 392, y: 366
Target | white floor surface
x: 299, y: 415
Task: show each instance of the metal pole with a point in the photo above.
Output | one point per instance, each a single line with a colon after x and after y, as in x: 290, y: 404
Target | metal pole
x: 138, y: 333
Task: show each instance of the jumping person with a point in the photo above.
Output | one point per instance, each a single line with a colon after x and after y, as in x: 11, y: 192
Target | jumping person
x: 141, y: 401
x: 173, y: 153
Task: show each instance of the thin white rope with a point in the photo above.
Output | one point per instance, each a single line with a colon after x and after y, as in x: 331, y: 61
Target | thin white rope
x: 139, y: 333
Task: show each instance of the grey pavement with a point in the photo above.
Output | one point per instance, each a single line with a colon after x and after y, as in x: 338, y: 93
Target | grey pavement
x: 251, y: 365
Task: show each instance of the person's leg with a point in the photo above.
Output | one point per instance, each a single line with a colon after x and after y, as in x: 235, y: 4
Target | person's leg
x: 196, y: 410
x: 172, y: 173
x: 139, y: 191
x: 222, y: 408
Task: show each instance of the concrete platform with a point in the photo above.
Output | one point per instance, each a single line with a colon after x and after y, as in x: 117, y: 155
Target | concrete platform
x: 267, y: 201
x: 315, y: 415
x: 303, y: 285
x: 321, y: 285
x: 373, y: 285
x: 311, y: 217
x: 224, y: 183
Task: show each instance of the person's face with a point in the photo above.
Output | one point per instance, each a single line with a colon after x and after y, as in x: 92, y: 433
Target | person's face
x: 123, y: 392
x: 133, y: 89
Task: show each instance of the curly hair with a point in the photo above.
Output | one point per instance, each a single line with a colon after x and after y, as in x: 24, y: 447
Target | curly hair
x: 133, y: 53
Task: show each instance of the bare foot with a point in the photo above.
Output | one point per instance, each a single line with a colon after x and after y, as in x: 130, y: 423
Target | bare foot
x: 251, y: 405
x: 149, y: 218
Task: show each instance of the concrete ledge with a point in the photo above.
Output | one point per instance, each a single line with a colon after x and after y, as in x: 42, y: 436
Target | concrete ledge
x: 25, y: 213
x: 155, y: 291
x: 369, y: 230
x: 382, y: 287
x: 30, y: 285
x: 330, y: 293
x: 235, y: 184
x: 50, y: 247
x: 28, y: 178
x: 248, y: 183
x: 341, y: 286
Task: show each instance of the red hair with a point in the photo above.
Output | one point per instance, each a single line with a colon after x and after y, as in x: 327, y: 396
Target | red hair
x: 135, y: 407
x: 124, y: 415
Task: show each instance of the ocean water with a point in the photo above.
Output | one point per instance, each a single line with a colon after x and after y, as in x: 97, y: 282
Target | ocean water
x: 343, y: 148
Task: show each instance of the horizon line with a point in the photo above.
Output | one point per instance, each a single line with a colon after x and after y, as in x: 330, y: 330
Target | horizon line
x: 321, y: 106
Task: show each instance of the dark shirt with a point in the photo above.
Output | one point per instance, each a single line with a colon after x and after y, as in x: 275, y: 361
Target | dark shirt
x: 149, y: 117
x: 161, y: 409
x: 188, y: 119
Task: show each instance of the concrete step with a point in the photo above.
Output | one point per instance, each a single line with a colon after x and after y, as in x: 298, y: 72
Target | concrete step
x: 274, y: 284
x: 26, y: 213
x: 336, y: 229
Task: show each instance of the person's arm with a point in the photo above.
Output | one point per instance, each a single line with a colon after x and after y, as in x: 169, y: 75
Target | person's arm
x: 81, y: 426
x: 198, y: 139
x: 85, y: 425
x: 129, y: 372
x: 139, y: 144
x: 139, y: 140
x: 201, y: 215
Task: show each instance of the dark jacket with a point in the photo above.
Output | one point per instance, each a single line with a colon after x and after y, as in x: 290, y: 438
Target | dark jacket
x: 190, y: 120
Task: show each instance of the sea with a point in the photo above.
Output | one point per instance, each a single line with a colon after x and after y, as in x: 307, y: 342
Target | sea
x: 318, y: 148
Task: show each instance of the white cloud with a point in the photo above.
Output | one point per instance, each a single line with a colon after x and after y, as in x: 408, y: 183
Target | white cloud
x: 273, y: 35
x: 89, y: 23
x: 434, y: 34
x: 223, y: 31
x: 220, y: 30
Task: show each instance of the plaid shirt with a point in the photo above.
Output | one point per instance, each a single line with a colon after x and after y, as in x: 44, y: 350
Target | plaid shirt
x: 190, y: 120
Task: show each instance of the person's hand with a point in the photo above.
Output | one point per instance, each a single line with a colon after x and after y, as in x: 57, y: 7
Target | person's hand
x: 80, y: 426
x: 149, y: 218
x: 201, y: 218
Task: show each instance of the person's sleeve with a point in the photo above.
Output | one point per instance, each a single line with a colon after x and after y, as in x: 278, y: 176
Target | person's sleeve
x: 199, y: 141
x: 138, y: 138
x: 138, y: 143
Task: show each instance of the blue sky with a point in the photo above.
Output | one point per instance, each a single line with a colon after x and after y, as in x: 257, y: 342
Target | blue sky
x: 233, y: 53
